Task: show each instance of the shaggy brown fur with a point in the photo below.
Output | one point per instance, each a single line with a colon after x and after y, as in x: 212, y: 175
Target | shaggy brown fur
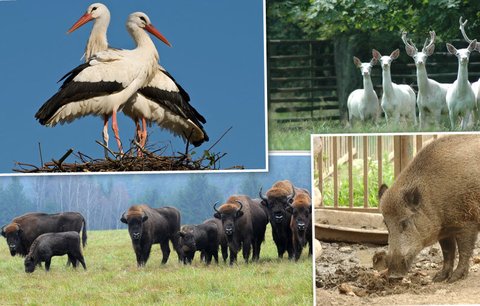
x: 435, y: 198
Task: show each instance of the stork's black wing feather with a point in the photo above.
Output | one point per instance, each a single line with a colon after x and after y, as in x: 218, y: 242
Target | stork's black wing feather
x: 72, y: 91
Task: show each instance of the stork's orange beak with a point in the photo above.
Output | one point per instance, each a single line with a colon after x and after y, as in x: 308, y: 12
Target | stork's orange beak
x: 151, y: 29
x: 83, y: 20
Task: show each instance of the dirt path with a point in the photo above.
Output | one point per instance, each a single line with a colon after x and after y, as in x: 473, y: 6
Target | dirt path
x: 348, y: 268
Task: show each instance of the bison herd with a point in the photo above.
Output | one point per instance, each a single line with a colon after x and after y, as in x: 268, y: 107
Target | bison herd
x: 237, y: 225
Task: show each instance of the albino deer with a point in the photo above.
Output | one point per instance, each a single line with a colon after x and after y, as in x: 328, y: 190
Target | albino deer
x: 461, y: 100
x: 363, y: 103
x: 431, y: 97
x: 475, y: 85
x: 397, y: 100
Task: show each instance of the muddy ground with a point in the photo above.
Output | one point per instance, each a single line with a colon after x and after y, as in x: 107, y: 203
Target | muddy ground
x: 345, y: 276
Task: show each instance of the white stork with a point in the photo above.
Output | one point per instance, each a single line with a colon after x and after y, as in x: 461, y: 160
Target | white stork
x: 107, y: 81
x: 162, y: 101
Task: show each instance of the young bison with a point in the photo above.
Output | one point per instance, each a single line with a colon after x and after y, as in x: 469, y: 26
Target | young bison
x: 435, y: 198
x: 202, y: 237
x: 54, y: 244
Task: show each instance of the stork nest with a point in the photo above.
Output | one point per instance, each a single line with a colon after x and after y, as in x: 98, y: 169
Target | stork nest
x: 135, y: 159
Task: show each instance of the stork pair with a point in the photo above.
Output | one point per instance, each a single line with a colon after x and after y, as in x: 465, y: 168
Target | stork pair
x: 130, y: 80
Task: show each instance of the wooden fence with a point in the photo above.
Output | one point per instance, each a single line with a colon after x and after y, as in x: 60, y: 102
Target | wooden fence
x: 335, y: 151
x: 302, y: 82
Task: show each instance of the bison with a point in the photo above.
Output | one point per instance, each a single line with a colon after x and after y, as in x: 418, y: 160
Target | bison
x: 202, y: 237
x: 244, y: 223
x: 23, y: 230
x: 54, y: 244
x: 276, y: 200
x: 301, y: 222
x: 435, y: 198
x: 148, y: 226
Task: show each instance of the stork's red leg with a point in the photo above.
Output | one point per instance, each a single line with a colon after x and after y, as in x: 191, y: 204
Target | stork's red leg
x: 138, y: 135
x: 105, y: 133
x: 115, y: 131
x: 144, y: 133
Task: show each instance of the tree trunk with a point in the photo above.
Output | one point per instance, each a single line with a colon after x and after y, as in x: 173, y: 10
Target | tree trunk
x: 346, y: 72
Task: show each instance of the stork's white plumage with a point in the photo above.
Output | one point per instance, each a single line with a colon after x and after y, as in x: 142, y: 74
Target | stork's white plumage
x: 162, y: 101
x: 107, y: 81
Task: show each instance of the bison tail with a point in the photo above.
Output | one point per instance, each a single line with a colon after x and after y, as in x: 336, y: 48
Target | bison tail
x: 84, y: 233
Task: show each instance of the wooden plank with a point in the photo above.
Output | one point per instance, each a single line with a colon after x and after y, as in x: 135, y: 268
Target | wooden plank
x: 397, y: 166
x: 295, y: 99
x: 380, y: 160
x: 281, y: 110
x: 335, y: 172
x: 320, y: 170
x: 350, y: 171
x: 365, y: 171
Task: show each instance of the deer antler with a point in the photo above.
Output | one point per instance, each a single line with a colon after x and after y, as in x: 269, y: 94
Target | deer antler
x: 428, y: 44
x: 462, y: 29
x: 408, y: 44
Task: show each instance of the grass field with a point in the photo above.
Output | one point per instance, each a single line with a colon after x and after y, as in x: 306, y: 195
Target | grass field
x: 296, y: 135
x: 113, y: 278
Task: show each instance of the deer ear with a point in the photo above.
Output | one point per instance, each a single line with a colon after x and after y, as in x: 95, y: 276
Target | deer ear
x: 410, y: 50
x: 451, y: 49
x: 429, y: 50
x: 357, y: 62
x: 473, y: 45
x: 394, y: 55
x: 376, y: 55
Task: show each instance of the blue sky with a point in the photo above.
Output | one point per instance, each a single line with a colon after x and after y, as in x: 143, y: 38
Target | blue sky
x: 217, y: 56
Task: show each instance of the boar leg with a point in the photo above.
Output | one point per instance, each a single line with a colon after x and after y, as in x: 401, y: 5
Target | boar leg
x: 466, y: 243
x: 449, y: 246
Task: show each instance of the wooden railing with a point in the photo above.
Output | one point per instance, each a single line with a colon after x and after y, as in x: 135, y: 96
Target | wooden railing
x: 331, y: 152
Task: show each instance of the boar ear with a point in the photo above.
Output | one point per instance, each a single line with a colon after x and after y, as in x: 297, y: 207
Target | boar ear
x: 382, y: 190
x: 412, y: 197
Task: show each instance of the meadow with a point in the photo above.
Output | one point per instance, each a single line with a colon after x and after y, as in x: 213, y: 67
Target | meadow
x: 296, y: 135
x: 112, y: 278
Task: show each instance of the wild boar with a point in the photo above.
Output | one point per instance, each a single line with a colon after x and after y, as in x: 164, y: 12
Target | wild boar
x: 435, y: 198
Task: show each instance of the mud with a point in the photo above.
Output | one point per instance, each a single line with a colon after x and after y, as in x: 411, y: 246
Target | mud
x: 348, y: 269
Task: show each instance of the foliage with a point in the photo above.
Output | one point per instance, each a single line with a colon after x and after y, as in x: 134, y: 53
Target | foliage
x: 325, y: 19
x: 113, y: 278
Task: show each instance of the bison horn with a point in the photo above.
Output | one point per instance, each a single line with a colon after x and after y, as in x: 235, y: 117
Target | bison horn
x: 292, y: 196
x: 241, y: 205
x: 215, y: 207
x: 261, y: 195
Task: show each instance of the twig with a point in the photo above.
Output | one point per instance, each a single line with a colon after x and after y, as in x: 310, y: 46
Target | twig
x: 106, y: 148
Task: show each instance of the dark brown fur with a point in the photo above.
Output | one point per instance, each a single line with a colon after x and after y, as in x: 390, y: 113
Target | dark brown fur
x: 23, y: 230
x: 148, y: 226
x: 244, y: 226
x: 301, y: 222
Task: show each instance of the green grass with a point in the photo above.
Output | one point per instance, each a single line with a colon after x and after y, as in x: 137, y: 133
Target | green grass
x: 357, y: 170
x: 113, y: 278
x: 296, y: 135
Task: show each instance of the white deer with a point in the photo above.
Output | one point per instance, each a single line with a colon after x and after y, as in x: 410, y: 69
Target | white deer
x: 431, y: 96
x: 475, y: 85
x: 461, y: 100
x: 363, y: 103
x: 397, y: 100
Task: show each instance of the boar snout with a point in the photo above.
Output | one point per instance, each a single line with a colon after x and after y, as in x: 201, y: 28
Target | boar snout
x: 397, y: 266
